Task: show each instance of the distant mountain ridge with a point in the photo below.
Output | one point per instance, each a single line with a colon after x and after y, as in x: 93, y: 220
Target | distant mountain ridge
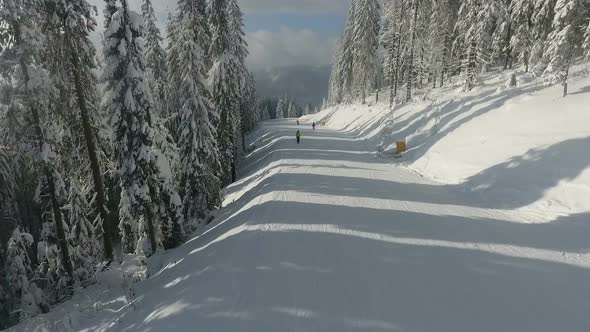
x: 304, y: 84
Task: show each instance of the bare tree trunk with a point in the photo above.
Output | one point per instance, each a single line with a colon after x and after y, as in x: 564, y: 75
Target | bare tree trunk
x: 450, y: 69
x: 508, y: 54
x: 151, y: 229
x: 391, y: 73
x: 566, y: 76
x: 421, y: 67
x: 410, y: 73
x: 234, y: 173
x: 364, y: 94
x: 91, y: 146
x: 398, y: 53
x: 444, y: 61
x: 234, y: 162
x: 513, y: 81
x: 471, y: 67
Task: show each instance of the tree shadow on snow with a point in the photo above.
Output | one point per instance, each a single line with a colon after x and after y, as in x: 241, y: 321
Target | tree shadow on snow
x: 523, y: 180
x: 263, y: 270
x: 583, y: 90
x: 452, y: 115
x: 516, y: 183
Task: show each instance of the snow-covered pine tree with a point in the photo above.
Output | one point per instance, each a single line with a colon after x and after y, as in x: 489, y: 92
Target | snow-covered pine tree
x: 425, y: 49
x: 265, y: 106
x: 7, y: 214
x: 7, y: 185
x: 165, y: 124
x: 237, y: 36
x: 239, y: 48
x: 109, y: 10
x: 31, y: 77
x: 4, y: 309
x: 521, y: 41
x: 172, y: 80
x: 446, y: 13
x: 365, y: 39
x: 586, y: 45
x: 341, y: 79
x: 199, y: 155
x: 80, y: 216
x: 542, y: 18
x: 474, y: 30
x: 280, y: 110
x: 266, y: 112
x: 392, y: 44
x: 250, y: 110
x: 205, y: 31
x: 18, y: 271
x: 290, y: 109
x: 501, y: 49
x: 335, y: 83
x: 54, y: 246
x: 131, y: 105
x: 226, y: 81
x: 405, y: 32
x: 169, y: 205
x: 448, y: 58
x: 410, y: 62
x: 19, y: 148
x: 73, y: 21
x: 388, y: 37
x: 155, y: 58
x: 435, y: 42
x: 86, y: 249
x: 285, y: 108
x: 565, y: 40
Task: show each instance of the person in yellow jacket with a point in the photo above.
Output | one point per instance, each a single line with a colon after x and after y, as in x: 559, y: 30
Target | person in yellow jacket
x: 298, y: 136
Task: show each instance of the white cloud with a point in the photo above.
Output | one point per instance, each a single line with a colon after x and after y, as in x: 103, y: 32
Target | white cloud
x: 288, y: 47
x: 270, y: 7
x: 267, y: 48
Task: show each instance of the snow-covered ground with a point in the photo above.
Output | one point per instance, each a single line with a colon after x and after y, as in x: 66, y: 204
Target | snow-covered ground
x: 335, y: 235
x: 523, y: 148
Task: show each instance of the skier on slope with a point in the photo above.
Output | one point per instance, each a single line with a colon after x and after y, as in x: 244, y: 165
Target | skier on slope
x: 298, y: 136
x: 298, y: 122
x: 313, y: 125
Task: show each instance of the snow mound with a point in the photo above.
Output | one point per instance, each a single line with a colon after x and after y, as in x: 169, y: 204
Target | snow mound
x: 113, y: 292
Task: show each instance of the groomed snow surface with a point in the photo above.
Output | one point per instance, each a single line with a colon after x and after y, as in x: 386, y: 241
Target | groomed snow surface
x: 335, y: 234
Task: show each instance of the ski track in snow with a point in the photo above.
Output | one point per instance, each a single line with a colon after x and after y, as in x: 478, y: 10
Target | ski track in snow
x: 326, y: 236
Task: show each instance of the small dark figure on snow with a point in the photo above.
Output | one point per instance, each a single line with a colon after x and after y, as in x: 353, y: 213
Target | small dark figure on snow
x: 298, y: 136
x: 298, y: 122
x: 313, y: 125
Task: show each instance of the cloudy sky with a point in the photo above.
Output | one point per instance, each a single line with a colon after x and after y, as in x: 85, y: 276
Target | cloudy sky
x: 280, y: 32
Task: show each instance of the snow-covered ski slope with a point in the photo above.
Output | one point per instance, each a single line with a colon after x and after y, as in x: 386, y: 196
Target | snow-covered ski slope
x: 329, y: 236
x: 333, y: 235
